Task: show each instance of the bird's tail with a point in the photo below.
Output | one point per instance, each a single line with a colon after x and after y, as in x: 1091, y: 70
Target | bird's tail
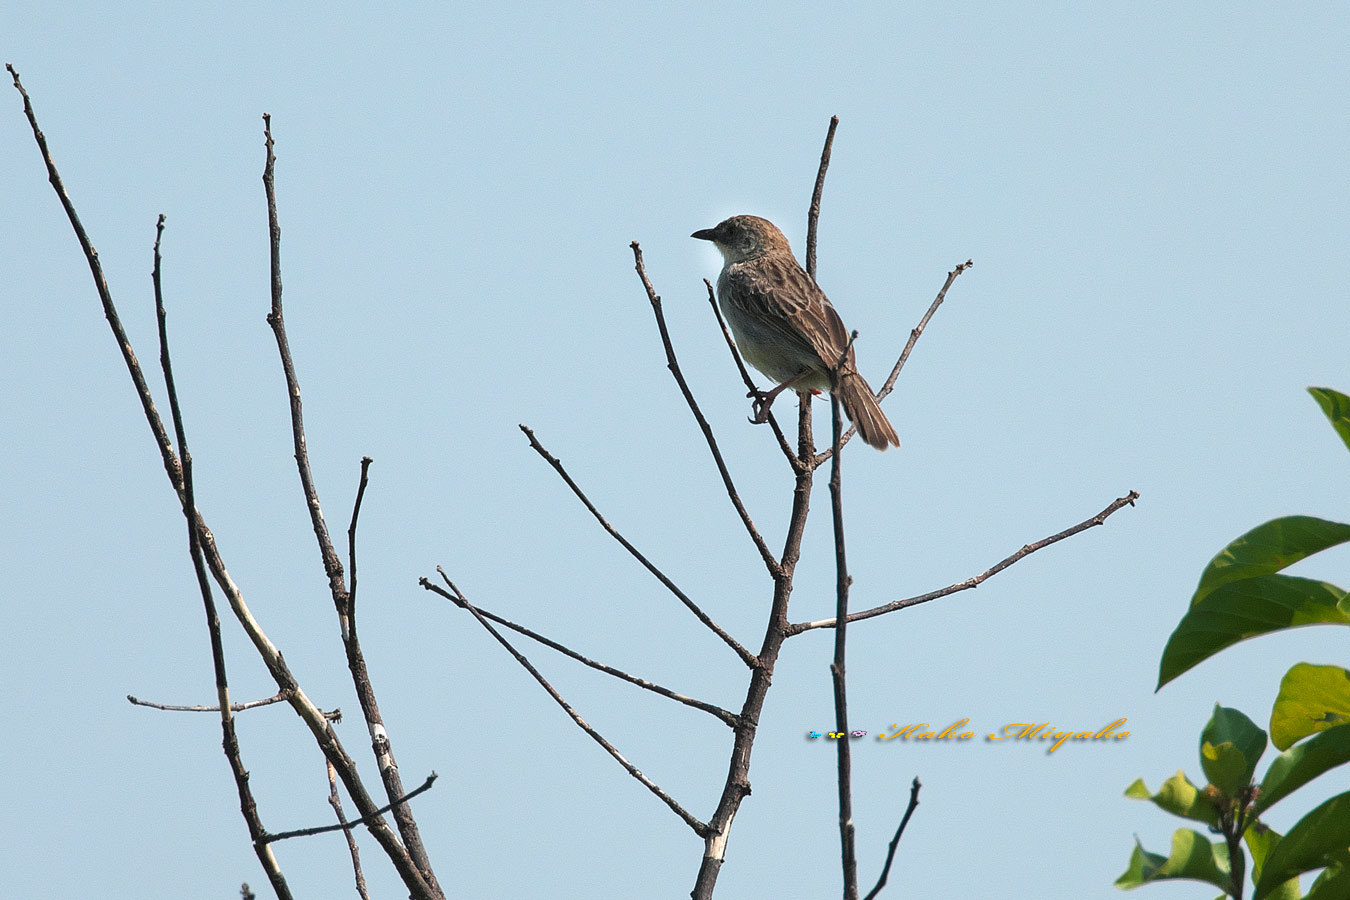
x: 863, y: 410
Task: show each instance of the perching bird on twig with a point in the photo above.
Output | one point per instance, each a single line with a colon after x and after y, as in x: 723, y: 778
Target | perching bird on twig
x: 785, y: 326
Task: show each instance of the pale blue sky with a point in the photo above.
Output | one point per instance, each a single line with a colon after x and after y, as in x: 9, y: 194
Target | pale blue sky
x: 1154, y: 196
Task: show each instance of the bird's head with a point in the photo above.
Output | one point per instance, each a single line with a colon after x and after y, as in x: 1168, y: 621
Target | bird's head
x: 745, y: 237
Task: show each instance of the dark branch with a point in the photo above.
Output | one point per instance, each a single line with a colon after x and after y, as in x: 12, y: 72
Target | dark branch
x: 171, y: 465
x: 838, y: 676
x: 348, y: 826
x: 698, y: 827
x: 895, y: 841
x: 746, y: 656
x: 248, y: 806
x: 331, y: 564
x: 976, y: 581
x: 813, y: 216
x: 353, y: 851
x: 673, y: 364
x: 726, y: 717
x: 351, y: 541
x: 904, y: 354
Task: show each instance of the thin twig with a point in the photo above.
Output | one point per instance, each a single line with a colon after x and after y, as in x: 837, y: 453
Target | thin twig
x: 918, y: 329
x: 698, y: 827
x: 334, y: 715
x: 351, y: 542
x: 275, y: 318
x: 353, y: 850
x: 813, y: 215
x: 904, y: 354
x: 364, y: 820
x: 162, y: 442
x: 976, y: 581
x: 248, y: 806
x: 356, y: 662
x: 895, y: 841
x: 749, y: 382
x: 726, y: 717
x: 215, y: 708
x: 746, y: 656
x: 673, y: 364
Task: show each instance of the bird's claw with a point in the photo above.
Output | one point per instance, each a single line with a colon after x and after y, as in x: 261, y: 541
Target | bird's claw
x: 760, y: 406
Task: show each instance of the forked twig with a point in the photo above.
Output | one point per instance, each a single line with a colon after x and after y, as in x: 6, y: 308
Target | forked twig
x: 726, y: 717
x: 698, y: 827
x: 364, y: 820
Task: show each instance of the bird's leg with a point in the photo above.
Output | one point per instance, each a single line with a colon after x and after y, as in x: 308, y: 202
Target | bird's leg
x: 764, y: 400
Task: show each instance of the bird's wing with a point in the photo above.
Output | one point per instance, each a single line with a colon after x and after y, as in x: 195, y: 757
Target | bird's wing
x: 789, y: 302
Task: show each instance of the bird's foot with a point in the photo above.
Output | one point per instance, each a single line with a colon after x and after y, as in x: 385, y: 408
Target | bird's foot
x: 760, y: 407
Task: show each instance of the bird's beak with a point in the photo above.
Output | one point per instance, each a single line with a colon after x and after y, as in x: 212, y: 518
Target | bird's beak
x: 705, y: 235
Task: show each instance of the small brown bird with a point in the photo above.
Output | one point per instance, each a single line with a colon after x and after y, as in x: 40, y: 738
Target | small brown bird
x: 785, y: 326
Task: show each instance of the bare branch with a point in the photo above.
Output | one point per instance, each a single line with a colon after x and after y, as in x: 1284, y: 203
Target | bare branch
x: 350, y: 618
x: 171, y: 465
x: 356, y: 662
x: 354, y: 851
x: 331, y: 564
x: 746, y: 656
x: 728, y: 718
x: 895, y: 841
x: 976, y: 581
x: 673, y: 364
x: 813, y: 215
x: 368, y: 819
x: 838, y: 679
x: 698, y: 827
x: 904, y: 354
x: 248, y: 806
x: 234, y: 707
x: 313, y: 718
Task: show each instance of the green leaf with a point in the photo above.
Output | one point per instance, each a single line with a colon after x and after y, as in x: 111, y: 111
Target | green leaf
x: 1314, y: 841
x: 1179, y: 797
x: 1261, y: 840
x: 1297, y: 766
x: 1337, y: 407
x: 1244, y: 609
x: 1334, y: 882
x: 1230, y: 746
x: 1192, y: 857
x: 1268, y: 548
x: 1311, y: 699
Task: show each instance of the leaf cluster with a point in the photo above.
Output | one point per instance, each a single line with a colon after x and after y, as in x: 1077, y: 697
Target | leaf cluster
x: 1242, y: 594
